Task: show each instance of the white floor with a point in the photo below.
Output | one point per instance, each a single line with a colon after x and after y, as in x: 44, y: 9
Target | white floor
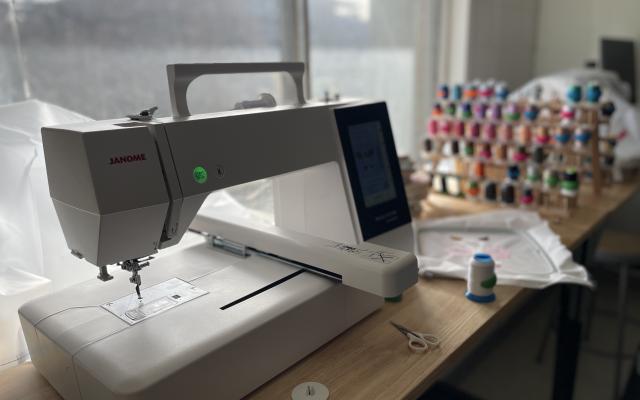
x: 505, y: 366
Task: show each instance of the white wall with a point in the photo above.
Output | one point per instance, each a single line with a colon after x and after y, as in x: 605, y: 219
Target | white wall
x: 502, y: 37
x: 569, y: 31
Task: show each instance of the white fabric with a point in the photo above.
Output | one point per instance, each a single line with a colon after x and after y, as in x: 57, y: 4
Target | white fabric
x: 626, y: 118
x: 445, y: 247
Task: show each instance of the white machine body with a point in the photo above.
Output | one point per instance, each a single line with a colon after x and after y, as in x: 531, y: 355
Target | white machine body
x: 214, y: 324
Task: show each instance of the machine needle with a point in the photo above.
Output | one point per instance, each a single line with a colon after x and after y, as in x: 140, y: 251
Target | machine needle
x: 138, y: 291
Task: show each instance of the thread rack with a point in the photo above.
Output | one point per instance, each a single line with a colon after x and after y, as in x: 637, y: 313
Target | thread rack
x: 480, y: 145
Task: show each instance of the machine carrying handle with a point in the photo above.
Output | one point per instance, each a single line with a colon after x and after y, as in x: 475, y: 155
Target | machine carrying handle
x: 181, y: 75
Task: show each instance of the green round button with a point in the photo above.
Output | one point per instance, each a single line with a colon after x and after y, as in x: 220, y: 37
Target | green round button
x: 200, y: 174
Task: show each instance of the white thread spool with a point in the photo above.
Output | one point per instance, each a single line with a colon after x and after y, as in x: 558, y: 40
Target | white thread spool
x: 481, y: 278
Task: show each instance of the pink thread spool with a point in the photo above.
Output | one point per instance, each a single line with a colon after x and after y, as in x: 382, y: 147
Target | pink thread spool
x: 520, y: 155
x: 473, y: 130
x: 506, y: 133
x: 445, y: 126
x: 490, y: 131
x: 568, y: 112
x: 458, y: 128
x: 432, y: 127
x: 542, y: 135
x: 485, y: 151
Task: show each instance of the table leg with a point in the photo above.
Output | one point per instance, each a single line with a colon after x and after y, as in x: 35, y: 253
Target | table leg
x: 569, y: 334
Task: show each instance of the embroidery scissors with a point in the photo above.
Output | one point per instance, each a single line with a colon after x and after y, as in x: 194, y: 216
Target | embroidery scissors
x: 418, y: 342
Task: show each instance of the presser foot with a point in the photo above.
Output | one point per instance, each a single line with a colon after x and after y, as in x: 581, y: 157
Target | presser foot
x: 134, y: 266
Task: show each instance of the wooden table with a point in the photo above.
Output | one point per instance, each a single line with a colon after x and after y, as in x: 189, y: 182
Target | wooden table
x: 371, y: 360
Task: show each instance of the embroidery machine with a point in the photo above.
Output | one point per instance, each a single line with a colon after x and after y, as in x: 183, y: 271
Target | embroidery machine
x: 217, y: 319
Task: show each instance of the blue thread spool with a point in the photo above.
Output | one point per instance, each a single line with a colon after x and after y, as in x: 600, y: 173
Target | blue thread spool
x: 582, y: 137
x: 563, y: 134
x: 457, y: 93
x: 531, y: 112
x: 443, y: 91
x: 593, y: 92
x: 481, y: 279
x: 574, y: 94
x: 502, y: 92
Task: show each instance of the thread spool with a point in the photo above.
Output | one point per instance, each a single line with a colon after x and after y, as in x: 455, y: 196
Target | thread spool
x: 443, y: 92
x: 490, y: 191
x: 468, y: 148
x: 478, y: 170
x: 470, y: 92
x: 607, y: 109
x: 428, y: 145
x: 456, y: 94
x: 495, y: 112
x: 524, y: 134
x: 542, y: 135
x: 450, y: 110
x: 432, y: 127
x: 445, y: 126
x: 486, y: 91
x: 480, y: 110
x: 570, y: 184
x: 453, y: 186
x: 531, y: 112
x: 485, y: 151
x: 508, y: 193
x: 481, y: 279
x: 538, y: 156
x: 527, y: 197
x: 512, y: 112
x: 550, y: 179
x: 505, y: 133
x: 533, y: 174
x: 568, y: 112
x: 436, y: 110
x: 490, y: 131
x: 502, y: 91
x: 436, y: 183
x: 563, y: 134
x: 593, y: 92
x: 574, y: 93
x: 465, y: 110
x: 582, y: 137
x: 455, y: 148
x: 473, y: 130
x: 513, y: 172
x: 501, y: 152
x: 520, y: 155
x: 473, y: 189
x: 458, y: 128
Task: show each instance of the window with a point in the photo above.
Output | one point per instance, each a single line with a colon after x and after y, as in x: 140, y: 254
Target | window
x: 106, y: 59
x: 370, y: 49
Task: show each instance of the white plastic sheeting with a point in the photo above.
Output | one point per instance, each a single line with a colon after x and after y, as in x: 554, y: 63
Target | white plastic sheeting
x: 626, y: 117
x: 33, y: 254
x: 526, y: 251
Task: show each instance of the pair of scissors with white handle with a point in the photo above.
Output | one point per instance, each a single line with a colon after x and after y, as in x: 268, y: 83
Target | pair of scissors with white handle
x: 418, y: 342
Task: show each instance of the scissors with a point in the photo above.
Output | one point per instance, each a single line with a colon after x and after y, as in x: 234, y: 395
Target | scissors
x: 418, y: 342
